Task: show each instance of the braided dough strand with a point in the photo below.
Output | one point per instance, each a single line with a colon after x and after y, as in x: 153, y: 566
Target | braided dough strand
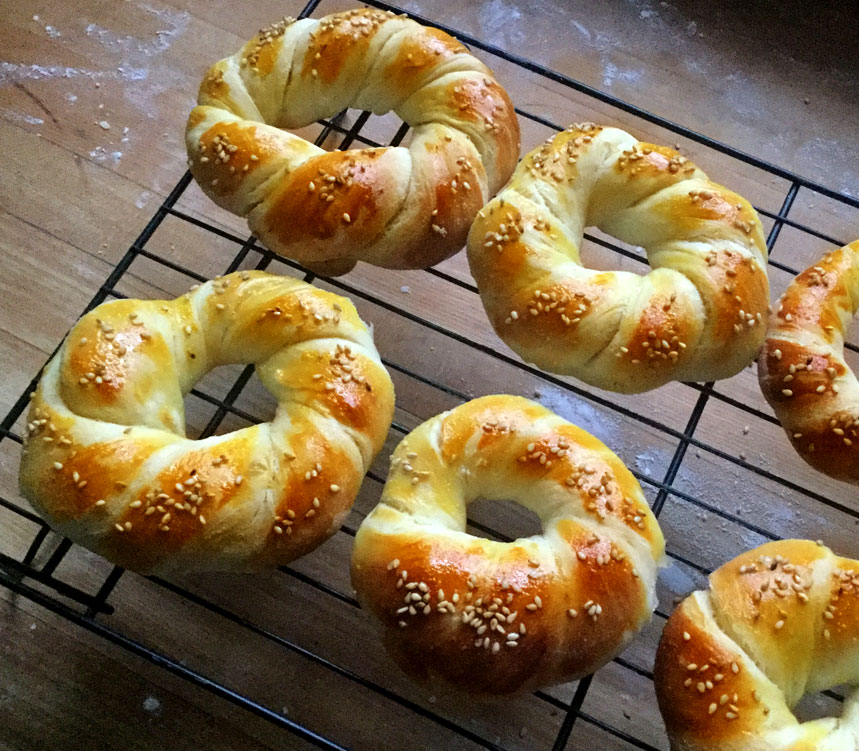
x: 802, y: 370
x: 496, y: 617
x: 698, y: 315
x: 395, y: 207
x: 777, y: 622
x: 106, y: 460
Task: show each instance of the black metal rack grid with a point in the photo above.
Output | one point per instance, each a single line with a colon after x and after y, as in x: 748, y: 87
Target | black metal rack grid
x: 41, y: 584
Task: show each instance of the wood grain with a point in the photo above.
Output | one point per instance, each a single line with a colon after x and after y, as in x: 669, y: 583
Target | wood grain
x: 93, y: 99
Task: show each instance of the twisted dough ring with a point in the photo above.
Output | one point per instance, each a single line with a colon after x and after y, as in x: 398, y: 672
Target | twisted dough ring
x: 698, y: 315
x: 776, y: 623
x: 802, y: 370
x: 106, y: 460
x: 393, y: 207
x: 493, y: 617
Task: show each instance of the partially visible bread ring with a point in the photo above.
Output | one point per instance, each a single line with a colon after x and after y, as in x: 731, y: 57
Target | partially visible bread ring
x: 491, y: 617
x: 106, y: 460
x: 699, y: 315
x: 776, y: 622
x: 802, y: 370
x: 394, y: 207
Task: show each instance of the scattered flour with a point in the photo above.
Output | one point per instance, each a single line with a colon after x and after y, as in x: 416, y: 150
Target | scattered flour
x: 102, y: 155
x: 143, y: 199
x: 20, y: 117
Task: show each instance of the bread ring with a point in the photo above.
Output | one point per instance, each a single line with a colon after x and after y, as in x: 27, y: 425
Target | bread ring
x: 802, y: 370
x: 777, y: 622
x: 493, y: 617
x: 106, y: 460
x: 698, y: 315
x: 396, y: 207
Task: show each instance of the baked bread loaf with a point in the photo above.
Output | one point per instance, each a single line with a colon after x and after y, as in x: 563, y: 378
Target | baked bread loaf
x: 698, y: 315
x: 106, y: 460
x: 777, y: 622
x: 802, y: 370
x: 400, y: 207
x: 494, y: 617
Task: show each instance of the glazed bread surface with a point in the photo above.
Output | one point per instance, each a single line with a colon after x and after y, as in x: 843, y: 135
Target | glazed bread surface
x: 777, y: 622
x: 398, y: 207
x: 490, y: 617
x: 106, y: 460
x: 698, y: 315
x: 802, y: 370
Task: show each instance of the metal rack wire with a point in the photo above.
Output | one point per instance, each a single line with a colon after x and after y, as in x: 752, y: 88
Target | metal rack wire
x: 45, y: 586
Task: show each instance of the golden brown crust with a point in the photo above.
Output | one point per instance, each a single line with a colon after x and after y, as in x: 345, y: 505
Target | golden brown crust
x: 106, y: 461
x: 497, y: 618
x: 802, y: 370
x: 734, y: 659
x: 698, y: 315
x: 394, y: 207
x: 701, y: 684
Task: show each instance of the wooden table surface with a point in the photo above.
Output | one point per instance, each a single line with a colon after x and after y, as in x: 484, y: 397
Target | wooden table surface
x: 93, y: 100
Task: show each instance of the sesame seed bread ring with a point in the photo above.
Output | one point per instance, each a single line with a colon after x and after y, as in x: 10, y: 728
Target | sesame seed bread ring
x: 493, y: 617
x: 802, y: 370
x: 698, y: 315
x: 106, y: 460
x: 777, y: 622
x: 396, y: 207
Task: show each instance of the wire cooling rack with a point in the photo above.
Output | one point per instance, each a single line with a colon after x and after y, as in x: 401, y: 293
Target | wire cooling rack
x: 695, y: 430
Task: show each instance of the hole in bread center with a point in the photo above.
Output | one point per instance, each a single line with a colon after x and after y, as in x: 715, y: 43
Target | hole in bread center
x: 379, y: 129
x: 595, y: 255
x: 508, y: 519
x: 819, y: 705
x: 852, y: 337
x: 201, y: 408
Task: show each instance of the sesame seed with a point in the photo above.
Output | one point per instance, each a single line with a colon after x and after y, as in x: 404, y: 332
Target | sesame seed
x: 58, y: 466
x: 335, y: 488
